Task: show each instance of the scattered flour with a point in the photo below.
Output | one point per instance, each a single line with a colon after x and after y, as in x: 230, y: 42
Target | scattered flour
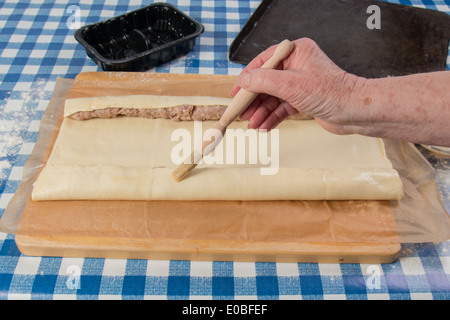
x: 15, y: 122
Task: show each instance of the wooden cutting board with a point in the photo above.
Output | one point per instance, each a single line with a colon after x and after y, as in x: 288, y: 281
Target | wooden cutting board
x: 281, y: 231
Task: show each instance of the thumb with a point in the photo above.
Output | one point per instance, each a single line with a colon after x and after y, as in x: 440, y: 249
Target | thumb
x: 279, y: 83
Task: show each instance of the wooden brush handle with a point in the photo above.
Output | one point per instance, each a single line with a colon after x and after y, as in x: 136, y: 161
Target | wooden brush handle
x: 243, y: 98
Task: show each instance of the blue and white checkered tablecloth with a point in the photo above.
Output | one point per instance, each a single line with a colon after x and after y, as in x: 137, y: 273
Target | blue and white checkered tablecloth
x: 36, y: 47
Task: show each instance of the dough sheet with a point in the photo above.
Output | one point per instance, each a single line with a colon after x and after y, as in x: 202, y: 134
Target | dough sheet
x: 131, y: 159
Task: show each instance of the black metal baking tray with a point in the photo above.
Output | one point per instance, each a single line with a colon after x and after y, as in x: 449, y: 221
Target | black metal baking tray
x: 410, y: 40
x: 140, y: 39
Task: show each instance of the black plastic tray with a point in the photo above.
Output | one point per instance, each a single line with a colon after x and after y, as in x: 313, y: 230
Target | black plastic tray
x: 411, y: 40
x: 140, y: 39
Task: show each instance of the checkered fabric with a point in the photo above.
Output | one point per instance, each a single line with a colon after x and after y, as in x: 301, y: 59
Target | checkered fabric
x: 37, y: 46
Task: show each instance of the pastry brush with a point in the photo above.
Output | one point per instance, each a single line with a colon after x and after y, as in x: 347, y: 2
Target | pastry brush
x: 238, y: 104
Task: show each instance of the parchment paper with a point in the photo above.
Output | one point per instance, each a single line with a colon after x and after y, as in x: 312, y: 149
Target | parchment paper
x: 419, y: 217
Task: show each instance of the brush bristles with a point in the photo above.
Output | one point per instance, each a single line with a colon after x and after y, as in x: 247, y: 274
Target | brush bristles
x: 183, y: 169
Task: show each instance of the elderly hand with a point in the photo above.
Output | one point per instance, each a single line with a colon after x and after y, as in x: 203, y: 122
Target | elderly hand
x: 307, y: 81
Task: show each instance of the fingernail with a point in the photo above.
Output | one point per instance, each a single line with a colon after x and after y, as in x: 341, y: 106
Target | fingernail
x: 251, y: 124
x: 244, y: 80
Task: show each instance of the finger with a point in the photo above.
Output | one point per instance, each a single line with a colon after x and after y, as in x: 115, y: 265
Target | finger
x: 263, y: 111
x: 282, y: 112
x: 254, y: 105
x: 283, y: 84
x: 248, y: 113
x: 257, y: 62
x: 235, y: 88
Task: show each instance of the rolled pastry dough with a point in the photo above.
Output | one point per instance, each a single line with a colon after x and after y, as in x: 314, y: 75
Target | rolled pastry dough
x: 130, y: 159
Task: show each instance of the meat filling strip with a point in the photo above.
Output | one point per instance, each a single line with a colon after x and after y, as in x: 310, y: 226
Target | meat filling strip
x: 177, y: 113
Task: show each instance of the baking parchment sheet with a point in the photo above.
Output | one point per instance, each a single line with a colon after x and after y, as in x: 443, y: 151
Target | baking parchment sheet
x: 419, y: 217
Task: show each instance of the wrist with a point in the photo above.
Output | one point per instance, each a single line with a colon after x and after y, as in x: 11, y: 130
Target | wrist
x: 353, y: 94
x: 365, y: 108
